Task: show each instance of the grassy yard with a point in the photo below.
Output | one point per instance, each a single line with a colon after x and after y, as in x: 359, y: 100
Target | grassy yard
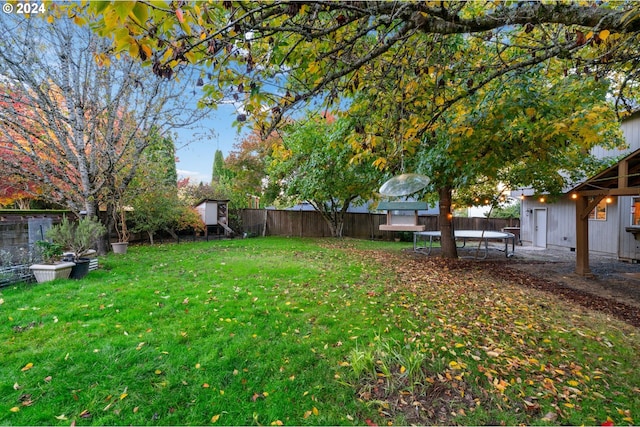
x: 274, y: 331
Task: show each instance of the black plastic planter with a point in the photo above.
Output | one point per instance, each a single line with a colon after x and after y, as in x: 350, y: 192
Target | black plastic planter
x: 81, y: 269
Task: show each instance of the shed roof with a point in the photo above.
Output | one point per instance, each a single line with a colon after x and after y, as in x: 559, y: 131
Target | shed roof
x: 211, y: 200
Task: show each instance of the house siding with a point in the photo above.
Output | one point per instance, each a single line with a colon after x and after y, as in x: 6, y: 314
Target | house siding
x: 605, y: 237
x: 560, y: 223
x: 631, y: 131
x: 561, y: 226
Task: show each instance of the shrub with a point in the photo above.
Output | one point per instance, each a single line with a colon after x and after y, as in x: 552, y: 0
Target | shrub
x: 78, y: 237
x: 49, y: 251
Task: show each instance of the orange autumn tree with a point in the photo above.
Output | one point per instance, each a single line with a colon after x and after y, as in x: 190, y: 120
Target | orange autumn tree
x: 247, y: 164
x: 29, y: 169
x: 17, y: 193
x: 15, y: 189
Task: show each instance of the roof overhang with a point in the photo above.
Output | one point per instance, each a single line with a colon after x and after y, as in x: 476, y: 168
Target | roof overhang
x: 621, y: 179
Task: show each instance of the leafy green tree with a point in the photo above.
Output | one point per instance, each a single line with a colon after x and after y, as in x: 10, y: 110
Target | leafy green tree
x: 312, y: 164
x: 422, y: 78
x: 505, y: 211
x: 534, y: 133
x: 156, y: 209
x: 153, y: 192
x: 218, y: 167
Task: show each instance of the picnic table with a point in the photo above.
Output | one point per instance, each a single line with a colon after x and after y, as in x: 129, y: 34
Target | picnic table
x: 463, y: 236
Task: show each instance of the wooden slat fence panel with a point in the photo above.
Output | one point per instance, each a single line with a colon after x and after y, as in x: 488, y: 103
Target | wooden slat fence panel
x: 258, y: 222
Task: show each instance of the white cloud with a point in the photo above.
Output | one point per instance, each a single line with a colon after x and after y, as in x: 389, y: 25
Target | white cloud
x: 194, y: 176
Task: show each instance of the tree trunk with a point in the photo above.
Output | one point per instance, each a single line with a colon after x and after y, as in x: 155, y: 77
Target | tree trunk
x: 334, y: 217
x: 104, y: 243
x: 447, y: 239
x: 334, y: 223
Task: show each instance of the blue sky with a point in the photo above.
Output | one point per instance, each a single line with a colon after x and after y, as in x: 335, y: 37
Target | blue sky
x: 195, y: 148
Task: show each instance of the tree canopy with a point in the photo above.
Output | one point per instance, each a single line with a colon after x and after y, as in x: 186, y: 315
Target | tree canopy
x: 288, y: 52
x: 457, y: 89
x: 75, y: 120
x: 313, y: 164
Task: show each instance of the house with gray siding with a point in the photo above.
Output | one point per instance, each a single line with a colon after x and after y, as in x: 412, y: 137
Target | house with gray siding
x: 614, y: 221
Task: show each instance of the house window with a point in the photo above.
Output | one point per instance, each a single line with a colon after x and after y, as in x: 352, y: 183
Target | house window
x: 635, y: 212
x: 599, y: 213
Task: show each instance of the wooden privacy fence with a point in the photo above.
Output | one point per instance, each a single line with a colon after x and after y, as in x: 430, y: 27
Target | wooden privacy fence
x: 266, y: 222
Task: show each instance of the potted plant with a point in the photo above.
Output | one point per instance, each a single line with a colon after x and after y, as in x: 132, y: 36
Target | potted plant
x: 79, y: 238
x: 51, y: 267
x: 120, y: 247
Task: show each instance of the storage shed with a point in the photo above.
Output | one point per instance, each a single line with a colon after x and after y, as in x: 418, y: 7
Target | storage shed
x: 214, y: 214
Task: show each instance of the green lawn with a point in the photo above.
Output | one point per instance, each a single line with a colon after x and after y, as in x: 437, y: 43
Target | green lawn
x: 274, y: 331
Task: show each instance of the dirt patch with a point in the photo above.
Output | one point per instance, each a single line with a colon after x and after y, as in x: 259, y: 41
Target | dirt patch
x: 431, y: 403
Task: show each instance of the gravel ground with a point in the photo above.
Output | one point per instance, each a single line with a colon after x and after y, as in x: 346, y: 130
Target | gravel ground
x: 613, y: 289
x: 612, y: 278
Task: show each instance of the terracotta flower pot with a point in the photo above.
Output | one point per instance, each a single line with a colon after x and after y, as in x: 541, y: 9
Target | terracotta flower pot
x: 119, y: 247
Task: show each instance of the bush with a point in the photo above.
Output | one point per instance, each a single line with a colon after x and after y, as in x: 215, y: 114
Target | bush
x: 78, y: 237
x: 49, y: 251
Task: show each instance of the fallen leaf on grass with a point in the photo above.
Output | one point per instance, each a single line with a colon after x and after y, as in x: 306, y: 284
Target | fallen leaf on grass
x: 15, y: 409
x: 215, y: 418
x: 61, y: 417
x: 313, y: 411
x: 27, y: 367
x: 26, y: 400
x: 530, y: 405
